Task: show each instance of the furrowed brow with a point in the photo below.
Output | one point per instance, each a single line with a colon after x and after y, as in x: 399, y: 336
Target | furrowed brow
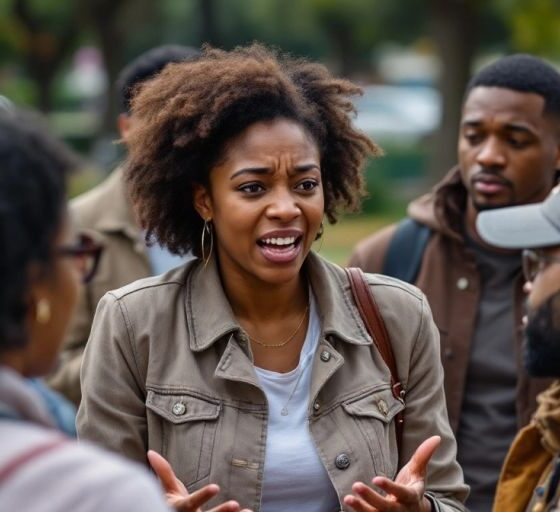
x: 306, y: 167
x: 250, y: 170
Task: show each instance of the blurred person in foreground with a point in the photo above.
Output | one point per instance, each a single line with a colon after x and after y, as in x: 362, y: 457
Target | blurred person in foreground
x: 106, y: 214
x: 40, y: 268
x: 251, y: 365
x: 531, y: 473
x: 508, y: 154
x: 60, y: 408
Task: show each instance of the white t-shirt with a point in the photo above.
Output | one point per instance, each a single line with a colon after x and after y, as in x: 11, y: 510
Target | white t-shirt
x: 294, y: 476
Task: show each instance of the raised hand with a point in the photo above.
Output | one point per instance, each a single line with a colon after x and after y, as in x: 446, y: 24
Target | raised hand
x: 405, y: 494
x: 177, y: 495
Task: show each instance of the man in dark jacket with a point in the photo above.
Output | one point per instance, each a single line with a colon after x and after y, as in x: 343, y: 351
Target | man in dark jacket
x: 531, y: 473
x: 508, y: 152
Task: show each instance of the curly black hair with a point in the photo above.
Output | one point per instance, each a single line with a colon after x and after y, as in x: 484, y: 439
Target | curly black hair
x: 33, y: 169
x: 191, y: 110
x: 523, y: 73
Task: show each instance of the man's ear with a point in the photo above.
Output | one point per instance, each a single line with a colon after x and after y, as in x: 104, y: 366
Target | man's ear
x: 203, y: 202
x: 124, y: 123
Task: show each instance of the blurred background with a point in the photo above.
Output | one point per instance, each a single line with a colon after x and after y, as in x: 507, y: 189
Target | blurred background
x: 413, y: 58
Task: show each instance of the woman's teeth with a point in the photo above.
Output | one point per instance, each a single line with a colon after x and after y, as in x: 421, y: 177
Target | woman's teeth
x: 289, y: 240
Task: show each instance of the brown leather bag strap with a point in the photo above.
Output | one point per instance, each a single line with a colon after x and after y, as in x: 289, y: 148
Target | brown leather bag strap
x: 365, y: 302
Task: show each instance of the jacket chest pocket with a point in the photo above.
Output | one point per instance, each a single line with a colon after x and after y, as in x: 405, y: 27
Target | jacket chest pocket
x: 373, y: 417
x: 188, y: 426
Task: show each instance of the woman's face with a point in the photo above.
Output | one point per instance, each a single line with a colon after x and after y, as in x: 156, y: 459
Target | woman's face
x: 265, y: 201
x: 58, y: 285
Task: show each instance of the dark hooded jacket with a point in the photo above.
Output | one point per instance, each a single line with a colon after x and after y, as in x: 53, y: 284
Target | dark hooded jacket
x: 449, y: 277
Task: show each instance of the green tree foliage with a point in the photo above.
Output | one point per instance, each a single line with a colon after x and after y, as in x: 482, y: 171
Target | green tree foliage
x: 534, y: 26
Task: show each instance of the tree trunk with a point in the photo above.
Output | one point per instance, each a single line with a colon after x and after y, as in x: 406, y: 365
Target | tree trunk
x: 45, y: 50
x: 109, y: 26
x: 453, y: 25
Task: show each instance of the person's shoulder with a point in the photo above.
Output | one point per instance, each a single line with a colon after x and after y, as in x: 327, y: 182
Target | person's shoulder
x: 101, y: 203
x: 155, y: 285
x: 112, y: 482
x: 369, y: 253
x: 85, y: 208
x: 380, y: 283
x: 57, y: 472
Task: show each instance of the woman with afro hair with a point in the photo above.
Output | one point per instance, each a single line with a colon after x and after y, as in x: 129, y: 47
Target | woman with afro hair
x: 251, y: 366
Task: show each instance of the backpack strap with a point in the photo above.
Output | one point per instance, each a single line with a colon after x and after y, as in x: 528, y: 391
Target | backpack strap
x: 376, y: 328
x: 406, y: 249
x: 27, y: 456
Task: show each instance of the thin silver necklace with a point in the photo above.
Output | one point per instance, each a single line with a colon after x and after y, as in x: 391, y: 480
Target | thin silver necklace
x: 285, y: 411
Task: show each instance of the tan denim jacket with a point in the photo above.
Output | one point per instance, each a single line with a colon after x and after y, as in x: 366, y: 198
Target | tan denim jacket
x: 168, y: 368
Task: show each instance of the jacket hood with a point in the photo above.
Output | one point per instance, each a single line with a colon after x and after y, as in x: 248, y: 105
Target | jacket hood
x: 443, y: 209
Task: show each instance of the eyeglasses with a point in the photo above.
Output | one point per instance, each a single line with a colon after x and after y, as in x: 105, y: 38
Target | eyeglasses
x: 535, y: 261
x: 86, y: 253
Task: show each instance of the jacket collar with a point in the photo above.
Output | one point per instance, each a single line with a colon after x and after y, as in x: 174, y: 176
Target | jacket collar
x: 209, y: 316
x: 114, y: 211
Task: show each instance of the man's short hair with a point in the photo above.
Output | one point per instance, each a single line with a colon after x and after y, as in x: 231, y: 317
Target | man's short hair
x: 148, y: 65
x: 522, y: 73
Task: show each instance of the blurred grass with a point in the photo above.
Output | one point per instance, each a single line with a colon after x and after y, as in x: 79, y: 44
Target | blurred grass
x: 339, y: 239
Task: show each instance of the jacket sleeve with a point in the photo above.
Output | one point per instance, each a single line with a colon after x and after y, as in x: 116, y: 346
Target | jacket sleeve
x: 426, y: 415
x: 112, y: 411
x: 369, y: 254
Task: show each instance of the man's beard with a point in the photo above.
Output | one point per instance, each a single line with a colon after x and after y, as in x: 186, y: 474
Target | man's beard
x: 541, y: 351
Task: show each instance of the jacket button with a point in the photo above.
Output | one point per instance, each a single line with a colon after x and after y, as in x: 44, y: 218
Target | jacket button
x: 383, y: 407
x: 316, y: 406
x: 462, y: 283
x: 179, y: 409
x: 325, y: 356
x: 342, y: 461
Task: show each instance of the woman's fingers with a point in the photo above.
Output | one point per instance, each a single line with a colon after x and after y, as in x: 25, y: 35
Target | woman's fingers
x: 194, y: 501
x: 402, y: 493
x: 367, y: 499
x: 165, y: 473
x: 229, y: 506
x: 419, y: 461
x: 407, y: 490
x: 357, y: 504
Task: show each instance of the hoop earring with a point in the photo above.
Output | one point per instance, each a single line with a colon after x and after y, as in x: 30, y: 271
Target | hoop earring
x: 43, y: 311
x: 319, y: 236
x: 207, y: 231
x: 320, y: 232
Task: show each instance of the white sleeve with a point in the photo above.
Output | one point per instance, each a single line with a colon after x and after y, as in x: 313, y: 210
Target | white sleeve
x: 82, y: 478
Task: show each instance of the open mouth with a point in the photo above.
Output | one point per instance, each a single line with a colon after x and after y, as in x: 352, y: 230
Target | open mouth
x: 280, y: 249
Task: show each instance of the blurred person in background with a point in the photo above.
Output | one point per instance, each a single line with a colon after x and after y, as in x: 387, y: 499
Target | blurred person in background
x: 61, y: 409
x: 531, y: 473
x: 251, y: 366
x: 106, y: 214
x: 508, y: 153
x: 40, y: 269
